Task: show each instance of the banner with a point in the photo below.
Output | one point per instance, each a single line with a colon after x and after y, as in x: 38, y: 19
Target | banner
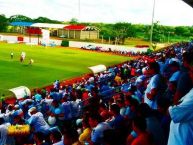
x: 21, y: 92
x: 98, y: 68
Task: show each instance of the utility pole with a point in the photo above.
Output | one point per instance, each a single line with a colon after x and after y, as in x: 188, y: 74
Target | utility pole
x: 151, y: 32
x: 79, y: 10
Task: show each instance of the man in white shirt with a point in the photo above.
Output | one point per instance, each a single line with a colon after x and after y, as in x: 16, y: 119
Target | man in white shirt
x: 3, y: 131
x: 37, y: 121
x: 181, y: 127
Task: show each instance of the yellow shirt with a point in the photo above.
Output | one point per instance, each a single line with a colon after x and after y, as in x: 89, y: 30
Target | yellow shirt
x: 85, y: 136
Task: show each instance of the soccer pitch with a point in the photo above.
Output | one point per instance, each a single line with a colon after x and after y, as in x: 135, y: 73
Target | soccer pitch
x: 50, y: 64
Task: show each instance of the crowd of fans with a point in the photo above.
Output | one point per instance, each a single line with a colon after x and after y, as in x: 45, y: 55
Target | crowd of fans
x: 146, y: 101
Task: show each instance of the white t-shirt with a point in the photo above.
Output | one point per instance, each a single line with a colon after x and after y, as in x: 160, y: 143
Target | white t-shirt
x: 181, y: 127
x: 154, y: 83
x: 38, y: 122
x: 97, y: 132
x: 3, y: 133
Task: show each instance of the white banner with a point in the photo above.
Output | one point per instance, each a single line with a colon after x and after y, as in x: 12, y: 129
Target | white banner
x: 21, y: 92
x: 98, y: 68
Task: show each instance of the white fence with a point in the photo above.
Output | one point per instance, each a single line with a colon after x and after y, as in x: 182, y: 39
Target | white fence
x: 13, y: 39
x: 106, y: 47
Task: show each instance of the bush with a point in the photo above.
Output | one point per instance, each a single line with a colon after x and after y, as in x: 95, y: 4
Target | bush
x: 65, y: 43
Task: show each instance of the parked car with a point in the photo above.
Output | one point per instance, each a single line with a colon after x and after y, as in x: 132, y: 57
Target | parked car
x: 89, y: 47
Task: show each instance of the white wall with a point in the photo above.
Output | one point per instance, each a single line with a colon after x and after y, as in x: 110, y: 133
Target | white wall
x: 13, y: 39
x: 107, y: 46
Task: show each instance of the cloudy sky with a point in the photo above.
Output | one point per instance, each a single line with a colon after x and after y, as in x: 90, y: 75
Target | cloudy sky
x: 167, y: 12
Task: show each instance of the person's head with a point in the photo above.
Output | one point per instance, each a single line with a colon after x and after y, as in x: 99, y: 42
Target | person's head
x: 120, y: 103
x: 191, y: 71
x: 163, y: 105
x: 190, y: 65
x: 70, y: 137
x: 172, y: 85
x: 85, y: 122
x: 153, y: 68
x: 174, y: 66
x: 115, y: 109
x: 10, y: 107
x: 102, y: 107
x: 139, y: 124
x: 143, y: 110
x: 94, y: 120
x: 128, y: 100
x: 134, y: 104
x: 187, y: 58
x: 55, y: 136
x: 32, y: 110
x: 38, y: 137
x: 55, y: 103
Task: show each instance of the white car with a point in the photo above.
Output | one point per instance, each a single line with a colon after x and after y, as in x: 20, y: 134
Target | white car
x: 89, y: 47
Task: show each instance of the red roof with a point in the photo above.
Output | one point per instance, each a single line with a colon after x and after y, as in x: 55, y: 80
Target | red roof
x: 74, y: 27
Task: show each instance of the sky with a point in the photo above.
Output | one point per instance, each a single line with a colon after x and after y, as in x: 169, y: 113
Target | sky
x: 167, y: 12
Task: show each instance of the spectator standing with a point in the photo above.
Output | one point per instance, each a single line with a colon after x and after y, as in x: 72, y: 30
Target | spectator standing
x: 181, y: 132
x: 155, y: 88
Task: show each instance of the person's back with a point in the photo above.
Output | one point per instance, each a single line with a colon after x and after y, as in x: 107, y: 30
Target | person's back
x: 38, y: 122
x: 143, y: 139
x: 143, y: 136
x: 3, y: 131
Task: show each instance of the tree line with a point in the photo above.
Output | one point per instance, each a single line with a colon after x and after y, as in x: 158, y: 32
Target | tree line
x: 117, y: 32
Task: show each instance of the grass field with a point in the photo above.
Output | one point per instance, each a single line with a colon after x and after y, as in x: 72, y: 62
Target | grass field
x: 50, y: 63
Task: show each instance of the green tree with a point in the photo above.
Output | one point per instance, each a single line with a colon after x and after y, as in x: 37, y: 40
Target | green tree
x: 19, y: 18
x: 122, y: 31
x: 182, y: 31
x: 106, y: 30
x: 74, y: 21
x: 3, y: 23
x: 45, y: 20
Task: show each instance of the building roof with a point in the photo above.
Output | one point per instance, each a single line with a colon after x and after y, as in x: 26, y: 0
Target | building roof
x: 80, y: 27
x: 56, y: 26
x: 75, y: 27
x: 48, y: 25
x: 24, y: 24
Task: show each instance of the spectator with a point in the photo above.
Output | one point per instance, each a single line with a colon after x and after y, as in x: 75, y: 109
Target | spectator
x: 184, y: 84
x: 117, y: 121
x: 155, y: 87
x: 98, y: 127
x: 144, y: 138
x: 3, y: 131
x: 181, y: 132
x: 37, y: 122
x: 39, y: 139
x: 71, y: 137
x: 86, y: 134
x: 56, y: 137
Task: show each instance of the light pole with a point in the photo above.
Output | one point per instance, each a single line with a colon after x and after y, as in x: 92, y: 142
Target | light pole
x: 168, y: 37
x: 151, y: 32
x: 79, y: 10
